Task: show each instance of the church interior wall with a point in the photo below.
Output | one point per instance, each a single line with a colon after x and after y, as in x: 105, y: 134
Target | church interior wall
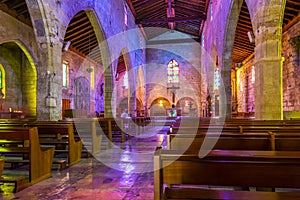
x: 291, y: 71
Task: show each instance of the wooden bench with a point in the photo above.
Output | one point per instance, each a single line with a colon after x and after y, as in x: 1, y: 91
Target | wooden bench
x: 60, y: 135
x: 232, y: 141
x: 89, y: 132
x: 234, y: 129
x: 110, y: 126
x: 205, y: 194
x: 38, y: 158
x: 229, y: 168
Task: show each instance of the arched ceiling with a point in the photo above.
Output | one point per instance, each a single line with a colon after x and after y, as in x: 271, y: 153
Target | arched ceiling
x: 187, y: 16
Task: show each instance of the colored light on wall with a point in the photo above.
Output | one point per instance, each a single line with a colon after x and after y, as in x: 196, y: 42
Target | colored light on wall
x: 2, y: 80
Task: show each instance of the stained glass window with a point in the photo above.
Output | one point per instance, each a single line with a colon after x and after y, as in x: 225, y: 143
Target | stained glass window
x: 173, y: 72
x: 216, y: 79
x: 65, y: 74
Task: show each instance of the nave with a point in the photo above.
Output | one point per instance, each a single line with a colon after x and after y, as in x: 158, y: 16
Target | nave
x: 91, y: 179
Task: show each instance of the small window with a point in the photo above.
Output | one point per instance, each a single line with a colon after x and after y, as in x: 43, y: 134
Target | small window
x: 252, y: 75
x: 65, y: 74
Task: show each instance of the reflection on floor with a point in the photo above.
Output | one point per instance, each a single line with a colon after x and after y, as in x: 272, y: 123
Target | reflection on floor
x: 114, y: 174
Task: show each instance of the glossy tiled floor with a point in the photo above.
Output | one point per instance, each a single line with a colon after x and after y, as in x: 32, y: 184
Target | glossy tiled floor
x: 114, y: 174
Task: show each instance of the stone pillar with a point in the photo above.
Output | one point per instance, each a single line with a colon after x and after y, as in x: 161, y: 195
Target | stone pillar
x: 132, y: 91
x: 268, y: 88
x: 108, y: 95
x: 225, y: 90
x: 132, y: 104
x: 268, y: 63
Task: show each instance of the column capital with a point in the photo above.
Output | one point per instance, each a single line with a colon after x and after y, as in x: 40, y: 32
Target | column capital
x: 268, y: 60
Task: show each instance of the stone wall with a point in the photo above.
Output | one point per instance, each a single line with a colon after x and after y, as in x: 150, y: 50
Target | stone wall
x: 291, y: 70
x: 79, y: 67
x: 184, y: 51
x: 19, y: 79
x: 245, y: 87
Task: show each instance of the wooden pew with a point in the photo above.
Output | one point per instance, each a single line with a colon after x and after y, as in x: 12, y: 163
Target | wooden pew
x: 273, y: 169
x: 231, y: 141
x: 88, y: 130
x: 60, y: 135
x: 195, y: 121
x: 38, y: 158
x: 110, y: 126
x: 205, y: 194
x: 234, y: 129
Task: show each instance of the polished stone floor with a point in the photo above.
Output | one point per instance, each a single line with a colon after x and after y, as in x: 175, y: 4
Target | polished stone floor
x: 116, y: 173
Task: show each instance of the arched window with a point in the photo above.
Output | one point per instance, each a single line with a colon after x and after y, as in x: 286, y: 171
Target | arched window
x: 65, y: 74
x: 2, y: 79
x: 173, y: 72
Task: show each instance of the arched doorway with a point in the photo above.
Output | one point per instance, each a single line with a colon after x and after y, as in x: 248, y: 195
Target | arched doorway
x: 188, y: 107
x: 158, y: 107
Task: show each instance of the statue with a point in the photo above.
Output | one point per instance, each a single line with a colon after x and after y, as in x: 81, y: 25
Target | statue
x: 1, y: 98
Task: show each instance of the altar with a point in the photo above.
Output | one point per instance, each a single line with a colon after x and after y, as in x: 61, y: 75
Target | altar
x: 173, y: 112
x: 11, y: 115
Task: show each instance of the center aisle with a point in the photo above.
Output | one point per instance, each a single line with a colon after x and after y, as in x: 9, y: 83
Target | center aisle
x: 115, y: 174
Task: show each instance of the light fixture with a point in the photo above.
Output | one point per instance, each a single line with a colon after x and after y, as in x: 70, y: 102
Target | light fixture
x: 161, y: 103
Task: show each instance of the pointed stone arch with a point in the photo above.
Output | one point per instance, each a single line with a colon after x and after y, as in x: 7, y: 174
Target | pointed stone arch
x: 20, y: 78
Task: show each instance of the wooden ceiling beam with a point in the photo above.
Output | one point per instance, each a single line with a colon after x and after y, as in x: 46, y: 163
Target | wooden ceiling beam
x: 145, y: 3
x: 79, y: 27
x: 291, y: 23
x: 18, y: 5
x: 129, y: 3
x: 190, y: 6
x: 155, y: 7
x: 295, y: 3
x: 185, y: 12
x: 200, y: 11
x: 171, y: 19
x: 84, y: 30
x: 83, y: 35
x: 150, y: 14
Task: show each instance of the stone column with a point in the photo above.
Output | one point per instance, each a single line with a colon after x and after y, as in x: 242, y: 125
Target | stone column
x: 268, y: 63
x: 132, y: 94
x: 108, y: 95
x: 225, y: 90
